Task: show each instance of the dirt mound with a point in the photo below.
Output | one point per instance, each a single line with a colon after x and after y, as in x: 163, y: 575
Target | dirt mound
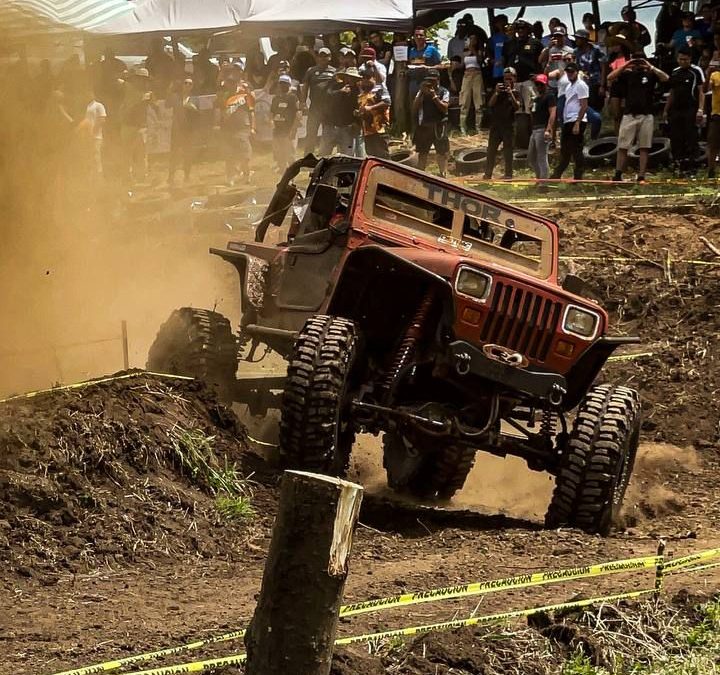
x: 124, y: 470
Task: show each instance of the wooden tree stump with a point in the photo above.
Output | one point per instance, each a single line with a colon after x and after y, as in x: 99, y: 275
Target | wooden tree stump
x: 293, y: 629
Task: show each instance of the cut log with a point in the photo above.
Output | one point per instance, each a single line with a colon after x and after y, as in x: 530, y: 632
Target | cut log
x: 293, y: 629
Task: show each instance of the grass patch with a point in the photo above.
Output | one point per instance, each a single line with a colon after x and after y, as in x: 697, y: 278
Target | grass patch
x: 196, y: 454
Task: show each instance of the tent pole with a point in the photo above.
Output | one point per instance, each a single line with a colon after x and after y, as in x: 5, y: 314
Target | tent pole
x: 596, y: 13
x: 572, y: 17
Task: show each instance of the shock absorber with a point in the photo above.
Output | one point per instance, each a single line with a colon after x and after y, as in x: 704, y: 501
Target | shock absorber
x: 548, y: 423
x: 408, y: 344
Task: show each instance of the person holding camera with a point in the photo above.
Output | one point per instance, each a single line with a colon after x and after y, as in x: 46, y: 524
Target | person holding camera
x: 504, y: 103
x: 374, y: 112
x: 639, y: 79
x: 544, y: 109
x: 430, y: 109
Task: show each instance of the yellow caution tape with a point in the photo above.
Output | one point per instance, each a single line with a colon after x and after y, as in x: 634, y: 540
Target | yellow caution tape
x: 381, y: 604
x: 595, y: 258
x: 199, y: 666
x: 491, y: 618
x: 88, y: 383
x: 195, y: 666
x: 698, y: 568
x: 692, y: 559
x: 495, y: 585
x: 139, y: 658
x: 629, y: 357
x: 603, y: 198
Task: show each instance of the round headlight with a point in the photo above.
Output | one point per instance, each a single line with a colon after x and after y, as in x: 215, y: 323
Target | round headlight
x: 581, y: 322
x: 472, y: 283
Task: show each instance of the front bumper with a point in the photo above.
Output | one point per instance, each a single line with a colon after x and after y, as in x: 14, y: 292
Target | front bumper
x: 468, y: 360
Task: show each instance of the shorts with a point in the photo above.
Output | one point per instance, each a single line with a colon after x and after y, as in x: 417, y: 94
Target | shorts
x: 713, y: 134
x: 636, y: 129
x: 429, y: 135
x: 238, y: 145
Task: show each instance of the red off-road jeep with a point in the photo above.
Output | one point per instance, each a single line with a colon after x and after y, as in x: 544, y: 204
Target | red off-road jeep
x: 408, y: 305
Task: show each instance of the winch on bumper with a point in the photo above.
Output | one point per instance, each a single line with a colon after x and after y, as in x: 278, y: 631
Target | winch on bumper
x: 506, y: 368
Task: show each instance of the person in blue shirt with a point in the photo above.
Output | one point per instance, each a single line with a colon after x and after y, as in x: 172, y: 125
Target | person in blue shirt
x: 592, y: 64
x: 495, y: 46
x: 422, y: 56
x: 687, y: 37
x: 704, y: 23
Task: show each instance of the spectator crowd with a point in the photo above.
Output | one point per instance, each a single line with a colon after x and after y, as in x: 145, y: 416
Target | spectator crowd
x: 544, y: 91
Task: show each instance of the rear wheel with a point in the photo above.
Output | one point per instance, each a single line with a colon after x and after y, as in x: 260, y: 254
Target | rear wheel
x: 197, y: 343
x: 597, y: 461
x: 316, y: 433
x: 430, y: 474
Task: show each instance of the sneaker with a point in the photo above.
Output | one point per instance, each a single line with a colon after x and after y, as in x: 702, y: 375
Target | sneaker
x: 618, y: 176
x: 641, y: 180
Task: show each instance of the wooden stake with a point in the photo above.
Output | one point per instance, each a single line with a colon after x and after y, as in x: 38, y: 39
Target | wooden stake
x: 293, y: 629
x: 126, y: 351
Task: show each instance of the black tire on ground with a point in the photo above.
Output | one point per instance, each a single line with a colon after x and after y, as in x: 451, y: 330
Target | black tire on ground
x: 407, y: 157
x: 597, y: 461
x: 436, y: 474
x: 470, y: 160
x: 659, y: 152
x: 315, y: 434
x: 197, y: 343
x: 600, y: 150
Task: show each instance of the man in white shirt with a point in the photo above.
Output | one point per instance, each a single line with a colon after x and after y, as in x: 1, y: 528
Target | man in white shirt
x: 573, y: 124
x: 95, y: 116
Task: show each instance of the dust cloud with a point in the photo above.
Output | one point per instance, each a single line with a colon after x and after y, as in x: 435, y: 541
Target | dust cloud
x: 495, y: 485
x: 79, y: 255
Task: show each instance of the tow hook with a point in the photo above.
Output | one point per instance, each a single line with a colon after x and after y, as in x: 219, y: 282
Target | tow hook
x: 462, y: 364
x: 556, y: 395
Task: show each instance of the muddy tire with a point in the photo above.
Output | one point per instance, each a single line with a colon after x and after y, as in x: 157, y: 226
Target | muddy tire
x: 315, y: 434
x: 197, y: 343
x: 437, y: 474
x: 597, y: 461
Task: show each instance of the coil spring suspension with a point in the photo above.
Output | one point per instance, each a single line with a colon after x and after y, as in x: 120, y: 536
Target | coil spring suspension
x: 548, y: 423
x: 406, y: 350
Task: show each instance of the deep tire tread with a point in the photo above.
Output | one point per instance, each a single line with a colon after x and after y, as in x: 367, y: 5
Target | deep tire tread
x: 317, y: 377
x: 597, y: 461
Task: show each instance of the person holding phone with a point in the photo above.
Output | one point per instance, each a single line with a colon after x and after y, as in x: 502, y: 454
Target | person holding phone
x: 504, y: 103
x: 640, y: 78
x: 430, y: 110
x: 556, y: 55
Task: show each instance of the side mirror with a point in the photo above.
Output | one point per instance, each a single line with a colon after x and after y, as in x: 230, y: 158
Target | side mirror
x: 324, y: 201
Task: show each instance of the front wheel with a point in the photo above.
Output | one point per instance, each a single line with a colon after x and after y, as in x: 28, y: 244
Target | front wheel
x: 316, y: 433
x: 597, y: 461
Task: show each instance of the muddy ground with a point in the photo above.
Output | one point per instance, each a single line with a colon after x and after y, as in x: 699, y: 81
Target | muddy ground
x: 110, y: 546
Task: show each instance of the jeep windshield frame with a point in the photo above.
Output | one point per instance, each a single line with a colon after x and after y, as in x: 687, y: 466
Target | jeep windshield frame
x: 444, y: 216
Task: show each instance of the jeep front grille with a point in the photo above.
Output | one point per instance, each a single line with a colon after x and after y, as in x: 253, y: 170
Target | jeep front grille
x: 521, y: 320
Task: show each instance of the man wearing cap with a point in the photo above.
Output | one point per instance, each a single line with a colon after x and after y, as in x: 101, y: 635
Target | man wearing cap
x: 430, y: 110
x: 368, y: 56
x: 523, y: 54
x: 503, y: 104
x: 687, y: 36
x: 373, y: 112
x: 342, y: 129
x: 544, y: 109
x: 592, y: 63
x: 285, y: 111
x: 556, y: 55
x: 573, y: 124
x: 238, y: 125
x: 422, y: 56
x: 137, y: 103
x: 315, y: 87
x: 640, y: 79
x: 348, y: 58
